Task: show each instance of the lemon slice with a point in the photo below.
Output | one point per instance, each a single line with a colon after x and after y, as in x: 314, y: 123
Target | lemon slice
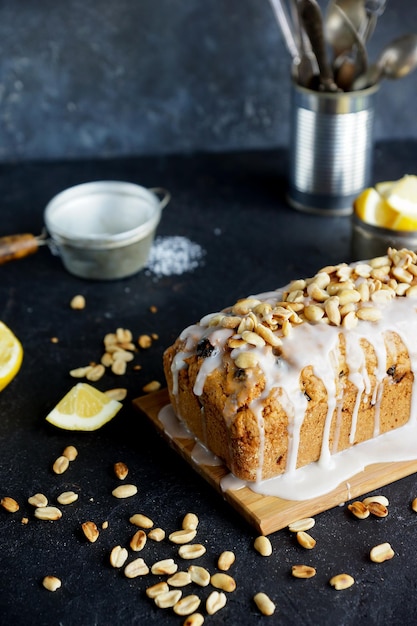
x: 373, y: 209
x: 384, y: 187
x: 402, y: 196
x: 83, y: 408
x: 404, y: 222
x: 11, y: 355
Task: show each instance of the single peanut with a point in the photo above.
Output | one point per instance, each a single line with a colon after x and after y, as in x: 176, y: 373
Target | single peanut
x: 342, y: 581
x: 264, y: 603
x: 9, y: 504
x: 263, y: 545
x: 226, y: 560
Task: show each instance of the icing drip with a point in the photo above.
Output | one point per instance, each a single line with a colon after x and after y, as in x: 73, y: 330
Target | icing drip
x: 312, y: 480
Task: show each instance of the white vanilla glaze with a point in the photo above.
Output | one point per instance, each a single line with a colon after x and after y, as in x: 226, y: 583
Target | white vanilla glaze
x: 317, y: 346
x: 311, y: 480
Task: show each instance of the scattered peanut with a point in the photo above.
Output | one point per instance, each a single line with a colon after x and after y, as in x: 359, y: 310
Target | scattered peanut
x: 303, y: 571
x: 182, y: 536
x: 118, y: 393
x: 90, y: 531
x: 377, y: 509
x: 382, y: 552
x: 223, y: 581
x: 226, y: 560
x: 138, y: 541
x: 49, y: 513
x: 141, y: 520
x: 342, y: 581
x: 38, y: 499
x: 196, y: 619
x: 51, y: 583
x: 187, y: 605
x: 154, y: 385
x: 9, y: 504
x: 190, y: 521
x: 380, y: 499
x: 70, y: 452
x: 263, y: 545
x: 125, y: 491
x: 168, y: 599
x: 166, y: 566
x: 199, y: 575
x: 61, y: 465
x: 305, y: 540
x: 179, y: 579
x: 156, y: 589
x: 414, y: 505
x: 67, y: 497
x: 156, y: 534
x: 78, y: 302
x: 144, y: 342
x: 118, y: 556
x: 264, y: 603
x: 95, y: 373
x: 215, y: 602
x: 359, y: 509
x: 121, y: 470
x: 191, y: 551
x: 302, y: 525
x: 136, y: 568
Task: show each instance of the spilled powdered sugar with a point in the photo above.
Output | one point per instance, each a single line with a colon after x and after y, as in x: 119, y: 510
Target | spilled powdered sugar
x: 173, y: 256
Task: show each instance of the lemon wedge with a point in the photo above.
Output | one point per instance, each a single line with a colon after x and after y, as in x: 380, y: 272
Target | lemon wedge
x: 402, y: 196
x: 11, y: 355
x: 373, y: 209
x: 404, y: 222
x: 83, y: 408
x: 384, y: 187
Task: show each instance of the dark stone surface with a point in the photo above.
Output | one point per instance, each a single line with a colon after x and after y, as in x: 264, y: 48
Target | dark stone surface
x: 161, y: 76
x: 233, y: 206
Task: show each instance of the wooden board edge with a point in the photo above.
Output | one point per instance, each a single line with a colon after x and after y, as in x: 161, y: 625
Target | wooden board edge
x: 269, y: 514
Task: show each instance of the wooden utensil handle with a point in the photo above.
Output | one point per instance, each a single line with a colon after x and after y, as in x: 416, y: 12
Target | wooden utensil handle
x: 17, y: 246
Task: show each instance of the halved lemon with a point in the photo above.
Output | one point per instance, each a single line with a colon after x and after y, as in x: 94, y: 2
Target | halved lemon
x: 373, y: 209
x: 402, y: 196
x: 83, y: 408
x: 11, y: 355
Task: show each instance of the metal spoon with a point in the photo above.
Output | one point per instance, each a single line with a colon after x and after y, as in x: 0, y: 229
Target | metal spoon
x: 374, y: 9
x: 398, y: 59
x: 312, y: 21
x: 340, y: 32
x: 351, y: 62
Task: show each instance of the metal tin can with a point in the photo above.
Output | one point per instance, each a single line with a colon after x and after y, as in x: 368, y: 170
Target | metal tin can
x: 331, y: 149
x: 368, y: 241
x: 104, y: 230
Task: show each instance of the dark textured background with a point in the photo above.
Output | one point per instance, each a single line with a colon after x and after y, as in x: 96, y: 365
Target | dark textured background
x: 103, y: 78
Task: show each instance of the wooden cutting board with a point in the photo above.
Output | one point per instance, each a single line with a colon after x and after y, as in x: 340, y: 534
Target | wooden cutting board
x: 269, y: 513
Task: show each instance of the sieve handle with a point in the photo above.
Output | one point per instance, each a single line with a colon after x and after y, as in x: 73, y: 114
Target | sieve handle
x: 14, y: 247
x: 166, y: 196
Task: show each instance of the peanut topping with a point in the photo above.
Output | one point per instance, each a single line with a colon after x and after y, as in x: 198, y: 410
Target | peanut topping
x: 340, y: 295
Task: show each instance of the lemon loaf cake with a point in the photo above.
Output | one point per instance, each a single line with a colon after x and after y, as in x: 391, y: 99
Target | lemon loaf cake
x: 293, y: 376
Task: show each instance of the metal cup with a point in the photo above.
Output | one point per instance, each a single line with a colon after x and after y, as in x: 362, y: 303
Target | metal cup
x: 331, y: 149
